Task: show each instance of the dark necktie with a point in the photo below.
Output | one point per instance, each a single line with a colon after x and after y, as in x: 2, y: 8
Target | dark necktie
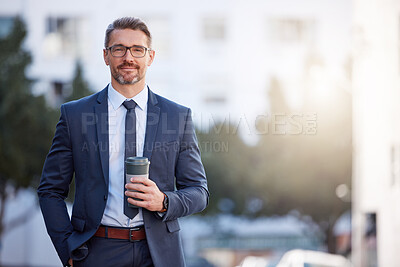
x: 130, y: 147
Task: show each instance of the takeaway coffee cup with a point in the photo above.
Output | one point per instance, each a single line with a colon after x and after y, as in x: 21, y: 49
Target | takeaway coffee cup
x: 136, y: 167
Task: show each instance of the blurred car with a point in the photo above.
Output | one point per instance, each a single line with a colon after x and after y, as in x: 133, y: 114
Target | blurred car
x: 252, y: 261
x: 299, y: 258
x: 308, y: 258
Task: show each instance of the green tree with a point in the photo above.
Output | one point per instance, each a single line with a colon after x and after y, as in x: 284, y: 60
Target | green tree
x: 79, y: 85
x: 289, y: 169
x: 80, y: 89
x: 228, y: 163
x: 26, y: 124
x: 301, y: 171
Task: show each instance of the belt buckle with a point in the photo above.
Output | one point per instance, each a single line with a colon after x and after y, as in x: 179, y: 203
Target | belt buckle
x: 130, y: 233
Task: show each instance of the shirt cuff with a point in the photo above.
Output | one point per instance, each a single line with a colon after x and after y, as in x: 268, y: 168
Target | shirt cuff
x: 161, y: 214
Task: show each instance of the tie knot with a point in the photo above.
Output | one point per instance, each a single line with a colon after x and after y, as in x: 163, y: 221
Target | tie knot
x: 129, y: 104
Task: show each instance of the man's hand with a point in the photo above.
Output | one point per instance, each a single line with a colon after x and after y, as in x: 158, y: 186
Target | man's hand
x: 148, y: 191
x: 70, y: 262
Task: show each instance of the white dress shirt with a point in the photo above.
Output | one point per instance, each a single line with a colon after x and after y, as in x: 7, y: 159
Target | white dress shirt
x: 114, y: 211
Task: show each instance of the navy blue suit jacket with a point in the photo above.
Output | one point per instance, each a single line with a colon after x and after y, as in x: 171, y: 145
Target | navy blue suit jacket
x: 80, y: 147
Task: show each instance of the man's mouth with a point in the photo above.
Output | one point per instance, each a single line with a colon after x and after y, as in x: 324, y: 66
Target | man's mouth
x: 128, y: 67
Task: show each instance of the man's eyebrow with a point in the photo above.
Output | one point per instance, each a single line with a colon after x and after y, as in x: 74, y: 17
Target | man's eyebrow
x: 127, y: 46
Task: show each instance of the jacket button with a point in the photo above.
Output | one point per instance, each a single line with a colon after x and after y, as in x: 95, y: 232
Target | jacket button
x: 105, y: 197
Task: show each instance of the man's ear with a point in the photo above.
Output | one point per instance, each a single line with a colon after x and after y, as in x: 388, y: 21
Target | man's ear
x: 152, y: 54
x: 105, y: 56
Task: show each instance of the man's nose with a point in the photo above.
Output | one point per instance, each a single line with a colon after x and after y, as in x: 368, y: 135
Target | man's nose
x: 128, y: 55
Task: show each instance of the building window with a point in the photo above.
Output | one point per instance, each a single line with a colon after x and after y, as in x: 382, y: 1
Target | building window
x: 370, y: 241
x: 214, y: 89
x: 6, y: 25
x: 395, y: 164
x: 58, y: 89
x: 214, y: 29
x: 215, y: 100
x: 58, y: 93
x: 62, y: 37
x: 291, y: 30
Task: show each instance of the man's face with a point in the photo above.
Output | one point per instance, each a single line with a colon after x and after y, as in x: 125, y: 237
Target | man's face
x: 128, y: 69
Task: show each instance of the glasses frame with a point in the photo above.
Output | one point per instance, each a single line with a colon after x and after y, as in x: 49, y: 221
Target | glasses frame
x: 129, y: 48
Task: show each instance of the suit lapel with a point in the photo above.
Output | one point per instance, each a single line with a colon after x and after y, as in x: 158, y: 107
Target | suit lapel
x: 101, y: 115
x: 153, y: 119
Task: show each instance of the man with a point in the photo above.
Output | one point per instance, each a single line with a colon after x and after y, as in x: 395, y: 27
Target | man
x: 92, y: 140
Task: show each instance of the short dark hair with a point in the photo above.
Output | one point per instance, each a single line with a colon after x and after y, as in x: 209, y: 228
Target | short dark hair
x: 127, y: 23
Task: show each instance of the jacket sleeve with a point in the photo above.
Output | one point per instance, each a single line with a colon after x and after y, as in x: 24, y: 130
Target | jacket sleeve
x: 54, y: 186
x: 192, y: 193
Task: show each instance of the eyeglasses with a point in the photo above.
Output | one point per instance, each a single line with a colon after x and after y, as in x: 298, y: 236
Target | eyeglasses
x: 137, y: 51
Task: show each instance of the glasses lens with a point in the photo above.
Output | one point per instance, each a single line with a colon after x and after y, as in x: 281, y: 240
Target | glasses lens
x: 138, y: 51
x: 118, y: 51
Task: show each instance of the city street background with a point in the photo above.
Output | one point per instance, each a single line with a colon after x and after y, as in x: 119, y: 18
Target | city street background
x: 295, y: 104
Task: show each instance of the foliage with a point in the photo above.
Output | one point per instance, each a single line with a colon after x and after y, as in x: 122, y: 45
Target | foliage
x: 296, y: 165
x: 228, y: 162
x: 80, y: 87
x: 26, y: 123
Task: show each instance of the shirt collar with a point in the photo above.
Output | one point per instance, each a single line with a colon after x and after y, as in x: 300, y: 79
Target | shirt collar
x: 117, y: 99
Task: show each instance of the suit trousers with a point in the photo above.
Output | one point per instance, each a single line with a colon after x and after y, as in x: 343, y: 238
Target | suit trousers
x: 110, y: 252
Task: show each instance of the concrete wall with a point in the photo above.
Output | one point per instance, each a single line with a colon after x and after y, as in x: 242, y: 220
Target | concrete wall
x: 376, y: 96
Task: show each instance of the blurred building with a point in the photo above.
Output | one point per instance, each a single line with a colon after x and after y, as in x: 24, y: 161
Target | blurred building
x: 218, y: 57
x: 25, y: 241
x: 376, y: 160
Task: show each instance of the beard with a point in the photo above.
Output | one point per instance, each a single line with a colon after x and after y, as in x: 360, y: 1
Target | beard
x: 121, y: 79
